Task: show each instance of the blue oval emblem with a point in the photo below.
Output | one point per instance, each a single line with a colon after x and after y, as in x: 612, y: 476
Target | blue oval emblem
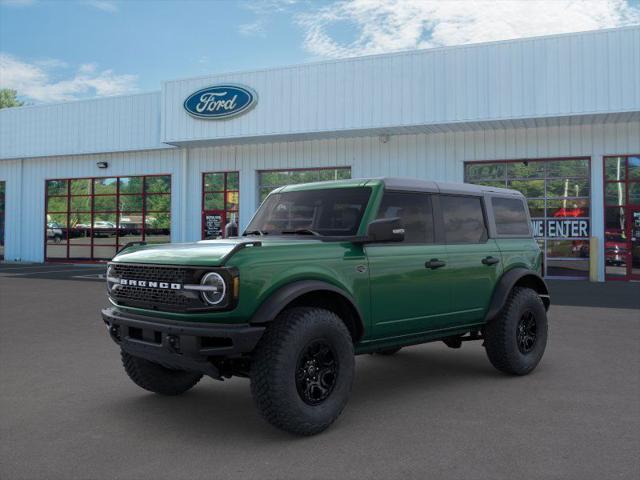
x: 220, y: 101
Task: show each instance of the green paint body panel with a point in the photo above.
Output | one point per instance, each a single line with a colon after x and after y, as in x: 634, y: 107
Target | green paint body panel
x: 400, y: 301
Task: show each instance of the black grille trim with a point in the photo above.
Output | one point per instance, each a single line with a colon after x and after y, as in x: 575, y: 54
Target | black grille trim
x: 163, y: 299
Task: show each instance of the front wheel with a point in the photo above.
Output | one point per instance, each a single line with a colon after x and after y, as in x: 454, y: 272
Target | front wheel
x: 516, y: 339
x: 302, y: 370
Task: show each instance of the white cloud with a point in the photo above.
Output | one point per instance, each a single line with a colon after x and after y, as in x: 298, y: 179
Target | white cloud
x: 104, y: 5
x: 389, y: 25
x: 36, y: 81
x: 252, y: 29
x: 269, y: 6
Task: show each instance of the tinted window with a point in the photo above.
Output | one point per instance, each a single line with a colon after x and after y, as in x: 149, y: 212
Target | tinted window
x: 415, y: 212
x: 463, y: 219
x: 510, y: 216
x: 330, y: 212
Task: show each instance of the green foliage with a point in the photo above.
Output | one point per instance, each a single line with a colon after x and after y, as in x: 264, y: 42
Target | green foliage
x: 8, y: 98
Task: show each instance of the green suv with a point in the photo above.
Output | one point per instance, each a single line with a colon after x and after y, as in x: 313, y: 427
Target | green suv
x: 326, y: 271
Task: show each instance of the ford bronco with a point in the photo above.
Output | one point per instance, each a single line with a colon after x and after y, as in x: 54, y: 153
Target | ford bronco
x: 326, y: 271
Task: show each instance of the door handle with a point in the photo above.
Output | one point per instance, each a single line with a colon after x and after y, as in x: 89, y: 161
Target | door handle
x: 490, y: 260
x: 434, y: 263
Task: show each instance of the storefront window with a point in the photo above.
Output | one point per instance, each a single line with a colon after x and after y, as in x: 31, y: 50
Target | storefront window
x: 220, y: 204
x: 622, y: 217
x: 558, y: 194
x: 92, y: 218
x: 2, y: 210
x: 269, y: 180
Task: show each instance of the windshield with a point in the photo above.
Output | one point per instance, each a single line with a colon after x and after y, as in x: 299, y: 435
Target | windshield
x: 327, y: 212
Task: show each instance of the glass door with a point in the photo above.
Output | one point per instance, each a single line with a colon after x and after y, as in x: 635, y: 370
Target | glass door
x: 634, y: 240
x: 220, y: 195
x: 622, y: 217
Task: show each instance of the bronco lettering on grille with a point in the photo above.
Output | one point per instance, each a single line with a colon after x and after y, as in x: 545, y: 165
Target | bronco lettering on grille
x: 148, y: 284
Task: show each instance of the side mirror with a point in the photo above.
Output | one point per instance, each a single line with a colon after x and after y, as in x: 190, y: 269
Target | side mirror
x: 385, y: 230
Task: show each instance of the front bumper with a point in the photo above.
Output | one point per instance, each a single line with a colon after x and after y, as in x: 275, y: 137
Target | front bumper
x: 180, y: 345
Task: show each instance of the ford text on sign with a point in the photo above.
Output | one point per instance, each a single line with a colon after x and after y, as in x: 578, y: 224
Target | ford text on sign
x: 220, y: 101
x: 570, y: 228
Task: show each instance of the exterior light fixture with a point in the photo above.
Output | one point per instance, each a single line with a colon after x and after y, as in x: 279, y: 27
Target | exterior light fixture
x: 102, y: 164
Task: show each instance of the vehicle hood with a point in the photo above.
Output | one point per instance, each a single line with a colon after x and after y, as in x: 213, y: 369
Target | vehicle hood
x: 208, y: 253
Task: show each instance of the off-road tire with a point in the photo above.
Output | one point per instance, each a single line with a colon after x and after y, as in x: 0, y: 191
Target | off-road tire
x: 388, y: 351
x: 156, y: 378
x: 501, y: 333
x: 276, y: 362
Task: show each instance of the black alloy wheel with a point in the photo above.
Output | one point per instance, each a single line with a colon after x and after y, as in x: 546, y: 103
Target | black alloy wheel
x: 316, y: 372
x: 527, y: 332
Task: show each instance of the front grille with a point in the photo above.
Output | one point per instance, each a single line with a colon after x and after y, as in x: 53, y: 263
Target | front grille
x: 151, y: 296
x: 162, y: 299
x: 153, y: 273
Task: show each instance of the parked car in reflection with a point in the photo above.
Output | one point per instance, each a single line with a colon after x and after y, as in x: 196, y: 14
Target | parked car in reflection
x: 615, y: 249
x: 103, y: 228
x: 54, y: 232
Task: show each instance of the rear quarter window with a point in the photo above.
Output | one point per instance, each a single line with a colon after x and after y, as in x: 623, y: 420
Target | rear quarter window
x: 510, y: 216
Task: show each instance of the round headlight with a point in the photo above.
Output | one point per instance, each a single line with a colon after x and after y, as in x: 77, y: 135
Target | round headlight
x: 111, y: 281
x: 215, y: 288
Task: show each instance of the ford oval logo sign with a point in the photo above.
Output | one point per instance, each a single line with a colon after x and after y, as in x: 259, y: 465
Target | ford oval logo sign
x: 220, y: 101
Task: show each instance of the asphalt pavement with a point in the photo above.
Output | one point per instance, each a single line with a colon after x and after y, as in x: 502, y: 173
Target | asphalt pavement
x: 68, y: 411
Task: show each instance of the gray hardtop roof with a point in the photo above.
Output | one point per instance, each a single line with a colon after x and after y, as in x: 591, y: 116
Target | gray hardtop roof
x: 415, y: 185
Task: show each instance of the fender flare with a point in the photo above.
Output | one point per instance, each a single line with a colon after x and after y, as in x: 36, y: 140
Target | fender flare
x: 282, y: 297
x: 509, y: 280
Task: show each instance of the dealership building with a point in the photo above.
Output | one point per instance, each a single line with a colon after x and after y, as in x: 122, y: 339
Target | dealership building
x: 555, y: 117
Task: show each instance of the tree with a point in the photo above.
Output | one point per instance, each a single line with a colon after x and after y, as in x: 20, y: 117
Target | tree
x: 8, y: 98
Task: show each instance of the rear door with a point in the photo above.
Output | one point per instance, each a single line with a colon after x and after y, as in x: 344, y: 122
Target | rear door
x: 410, y: 290
x: 475, y: 262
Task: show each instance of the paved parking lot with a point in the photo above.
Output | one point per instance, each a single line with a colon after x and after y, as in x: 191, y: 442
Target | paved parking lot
x: 68, y: 411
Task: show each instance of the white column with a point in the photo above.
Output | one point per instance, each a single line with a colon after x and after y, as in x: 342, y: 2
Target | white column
x: 597, y: 210
x: 248, y: 186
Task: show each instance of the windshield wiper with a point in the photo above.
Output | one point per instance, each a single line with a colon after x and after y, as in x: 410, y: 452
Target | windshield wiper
x: 255, y: 232
x: 301, y: 231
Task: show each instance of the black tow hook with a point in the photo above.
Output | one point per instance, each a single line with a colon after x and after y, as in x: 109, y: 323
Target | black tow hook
x: 173, y: 342
x: 114, y: 332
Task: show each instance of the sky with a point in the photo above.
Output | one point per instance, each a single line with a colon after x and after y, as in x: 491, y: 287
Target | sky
x: 59, y: 50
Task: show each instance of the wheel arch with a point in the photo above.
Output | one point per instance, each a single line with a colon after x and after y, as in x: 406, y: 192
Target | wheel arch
x: 312, y: 293
x: 517, y: 277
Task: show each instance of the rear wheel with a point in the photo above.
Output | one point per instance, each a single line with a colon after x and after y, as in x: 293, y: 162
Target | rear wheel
x: 156, y: 378
x: 516, y: 339
x: 302, y: 370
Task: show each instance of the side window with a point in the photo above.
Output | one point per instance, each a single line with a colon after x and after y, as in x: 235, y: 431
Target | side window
x: 510, y: 216
x: 415, y: 212
x: 463, y: 219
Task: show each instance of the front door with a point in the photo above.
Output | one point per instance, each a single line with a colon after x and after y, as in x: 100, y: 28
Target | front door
x: 410, y: 291
x: 213, y: 223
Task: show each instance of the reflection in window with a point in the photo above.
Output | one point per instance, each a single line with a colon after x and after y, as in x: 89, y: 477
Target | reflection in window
x: 415, y: 213
x: 220, y: 202
x: 2, y: 215
x: 615, y: 168
x: 622, y: 197
x: 92, y: 218
x: 614, y: 193
x: 510, y: 216
x: 269, y: 180
x: 333, y: 212
x: 556, y: 190
x: 463, y: 219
